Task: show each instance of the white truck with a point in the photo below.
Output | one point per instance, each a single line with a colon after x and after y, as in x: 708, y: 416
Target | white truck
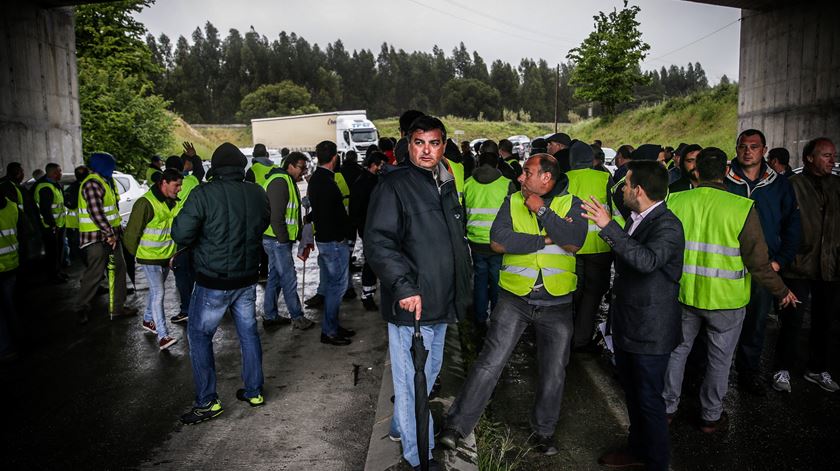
x: 350, y: 130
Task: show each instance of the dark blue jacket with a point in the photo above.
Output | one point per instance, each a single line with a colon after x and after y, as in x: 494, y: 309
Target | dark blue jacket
x: 777, y: 209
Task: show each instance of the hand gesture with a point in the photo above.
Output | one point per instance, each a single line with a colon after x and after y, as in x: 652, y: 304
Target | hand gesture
x: 789, y: 300
x: 596, y: 212
x: 189, y: 149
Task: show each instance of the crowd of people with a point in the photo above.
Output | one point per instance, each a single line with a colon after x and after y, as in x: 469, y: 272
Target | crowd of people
x: 692, y: 250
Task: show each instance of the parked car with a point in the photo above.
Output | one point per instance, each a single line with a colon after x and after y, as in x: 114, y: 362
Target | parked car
x: 609, y: 157
x: 478, y: 141
x: 521, y: 145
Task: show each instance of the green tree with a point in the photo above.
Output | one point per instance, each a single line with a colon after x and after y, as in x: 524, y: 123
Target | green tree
x: 607, y: 62
x: 119, y: 111
x: 279, y: 99
x: 471, y: 98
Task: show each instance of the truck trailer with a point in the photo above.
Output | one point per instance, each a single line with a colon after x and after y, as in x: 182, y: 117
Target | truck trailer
x: 350, y: 130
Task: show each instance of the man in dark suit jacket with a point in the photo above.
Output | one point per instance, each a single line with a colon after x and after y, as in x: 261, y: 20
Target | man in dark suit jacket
x: 646, y: 315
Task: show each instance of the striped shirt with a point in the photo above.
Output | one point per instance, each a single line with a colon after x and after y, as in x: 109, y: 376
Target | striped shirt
x: 94, y: 194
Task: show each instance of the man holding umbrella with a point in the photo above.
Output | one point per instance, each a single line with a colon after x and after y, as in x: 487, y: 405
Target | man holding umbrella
x: 415, y: 242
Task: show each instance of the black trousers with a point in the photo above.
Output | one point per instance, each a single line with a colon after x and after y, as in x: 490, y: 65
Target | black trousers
x: 643, y: 378
x: 822, y: 300
x: 593, y: 271
x: 53, y: 251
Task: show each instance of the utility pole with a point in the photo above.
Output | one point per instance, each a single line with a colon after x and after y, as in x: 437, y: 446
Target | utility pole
x: 556, y: 95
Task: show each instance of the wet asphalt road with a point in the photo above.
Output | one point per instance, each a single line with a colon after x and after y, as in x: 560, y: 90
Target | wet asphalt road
x: 102, y: 396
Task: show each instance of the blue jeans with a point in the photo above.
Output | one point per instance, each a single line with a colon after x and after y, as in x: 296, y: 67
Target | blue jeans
x: 156, y: 277
x: 751, y: 341
x: 486, y: 283
x: 184, y: 279
x: 281, y: 277
x: 333, y: 260
x: 322, y: 283
x: 207, y: 307
x: 402, y: 368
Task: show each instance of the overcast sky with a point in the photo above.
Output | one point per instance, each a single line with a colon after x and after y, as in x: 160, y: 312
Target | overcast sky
x: 497, y: 29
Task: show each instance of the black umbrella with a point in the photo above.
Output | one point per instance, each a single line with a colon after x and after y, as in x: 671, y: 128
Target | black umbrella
x: 421, y: 396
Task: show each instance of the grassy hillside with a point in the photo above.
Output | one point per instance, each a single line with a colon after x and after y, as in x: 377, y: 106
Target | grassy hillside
x: 473, y: 129
x: 707, y: 118
x: 206, y: 139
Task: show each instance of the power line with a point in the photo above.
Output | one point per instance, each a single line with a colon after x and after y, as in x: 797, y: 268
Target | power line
x: 659, y: 57
x: 507, y: 22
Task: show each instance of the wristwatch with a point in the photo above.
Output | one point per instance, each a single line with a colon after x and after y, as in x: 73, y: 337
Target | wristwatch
x: 541, y: 211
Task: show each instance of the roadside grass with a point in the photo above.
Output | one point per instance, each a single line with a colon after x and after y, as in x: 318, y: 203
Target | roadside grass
x: 708, y: 118
x: 473, y: 129
x: 206, y: 139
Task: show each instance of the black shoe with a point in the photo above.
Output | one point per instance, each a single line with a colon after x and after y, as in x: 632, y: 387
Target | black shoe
x: 355, y: 268
x: 714, y: 426
x: 180, y: 317
x: 276, y: 322
x: 449, y: 438
x: 346, y: 333
x: 337, y: 340
x: 349, y: 294
x: 369, y: 304
x: 256, y: 401
x: 202, y: 414
x: 753, y: 384
x: 544, y: 445
x: 433, y: 465
x: 314, y: 301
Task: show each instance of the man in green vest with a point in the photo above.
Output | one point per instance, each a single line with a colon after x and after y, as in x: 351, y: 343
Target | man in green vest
x: 71, y: 202
x: 538, y: 230
x: 484, y: 193
x: 154, y: 170
x: 148, y: 237
x: 278, y: 240
x: 100, y: 235
x: 724, y: 248
x: 49, y: 197
x: 594, y: 258
x: 261, y: 164
x: 9, y: 262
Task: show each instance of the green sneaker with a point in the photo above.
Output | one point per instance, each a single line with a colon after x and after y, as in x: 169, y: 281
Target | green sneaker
x: 202, y: 414
x: 255, y: 401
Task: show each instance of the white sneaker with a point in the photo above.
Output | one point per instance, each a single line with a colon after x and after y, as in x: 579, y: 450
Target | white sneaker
x: 822, y: 380
x: 781, y: 381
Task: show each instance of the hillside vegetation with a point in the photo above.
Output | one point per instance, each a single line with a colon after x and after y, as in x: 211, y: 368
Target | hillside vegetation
x: 473, y: 129
x: 708, y: 118
x: 206, y: 139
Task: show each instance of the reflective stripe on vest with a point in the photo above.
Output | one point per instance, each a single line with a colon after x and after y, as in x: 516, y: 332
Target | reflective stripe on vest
x: 109, y: 206
x: 345, y: 191
x: 71, y: 218
x: 57, y: 207
x: 156, y: 241
x: 458, y: 174
x: 292, y: 213
x: 584, y: 183
x: 260, y: 172
x: 482, y: 202
x: 9, y: 258
x: 714, y: 276
x: 519, y: 272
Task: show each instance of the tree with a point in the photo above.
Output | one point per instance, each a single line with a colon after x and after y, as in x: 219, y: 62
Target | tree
x: 119, y: 111
x: 607, y: 62
x: 471, y: 98
x: 505, y: 79
x: 279, y: 99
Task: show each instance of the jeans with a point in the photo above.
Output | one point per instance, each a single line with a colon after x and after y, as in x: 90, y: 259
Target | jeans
x: 184, y: 279
x: 723, y: 327
x: 822, y: 300
x: 322, y: 274
x: 402, y: 368
x: 553, y: 326
x: 206, y: 310
x: 333, y: 260
x: 486, y: 283
x: 643, y: 379
x: 156, y: 277
x: 281, y: 277
x: 593, y: 271
x: 9, y: 322
x: 751, y: 342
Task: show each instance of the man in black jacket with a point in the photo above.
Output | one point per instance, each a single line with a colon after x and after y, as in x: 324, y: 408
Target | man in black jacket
x: 360, y: 192
x: 415, y: 242
x: 646, y: 316
x: 222, y: 223
x: 333, y: 231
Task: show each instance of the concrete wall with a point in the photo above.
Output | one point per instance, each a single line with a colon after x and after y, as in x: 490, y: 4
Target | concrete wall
x: 39, y: 92
x: 790, y: 74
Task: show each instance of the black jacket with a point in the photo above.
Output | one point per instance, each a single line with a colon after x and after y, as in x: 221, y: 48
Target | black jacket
x: 223, y: 222
x: 415, y: 242
x: 360, y: 192
x: 330, y: 219
x: 646, y: 317
x: 351, y: 172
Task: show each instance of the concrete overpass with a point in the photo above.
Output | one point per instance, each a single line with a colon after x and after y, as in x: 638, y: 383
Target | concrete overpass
x: 789, y: 76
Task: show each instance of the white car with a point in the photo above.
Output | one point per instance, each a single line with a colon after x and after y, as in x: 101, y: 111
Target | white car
x: 521, y: 145
x: 478, y: 141
x: 609, y: 157
x: 127, y: 187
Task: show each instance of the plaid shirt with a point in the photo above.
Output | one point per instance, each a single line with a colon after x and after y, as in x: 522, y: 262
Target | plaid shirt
x: 94, y: 194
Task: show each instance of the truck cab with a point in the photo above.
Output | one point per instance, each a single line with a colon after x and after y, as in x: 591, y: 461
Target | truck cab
x: 355, y: 132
